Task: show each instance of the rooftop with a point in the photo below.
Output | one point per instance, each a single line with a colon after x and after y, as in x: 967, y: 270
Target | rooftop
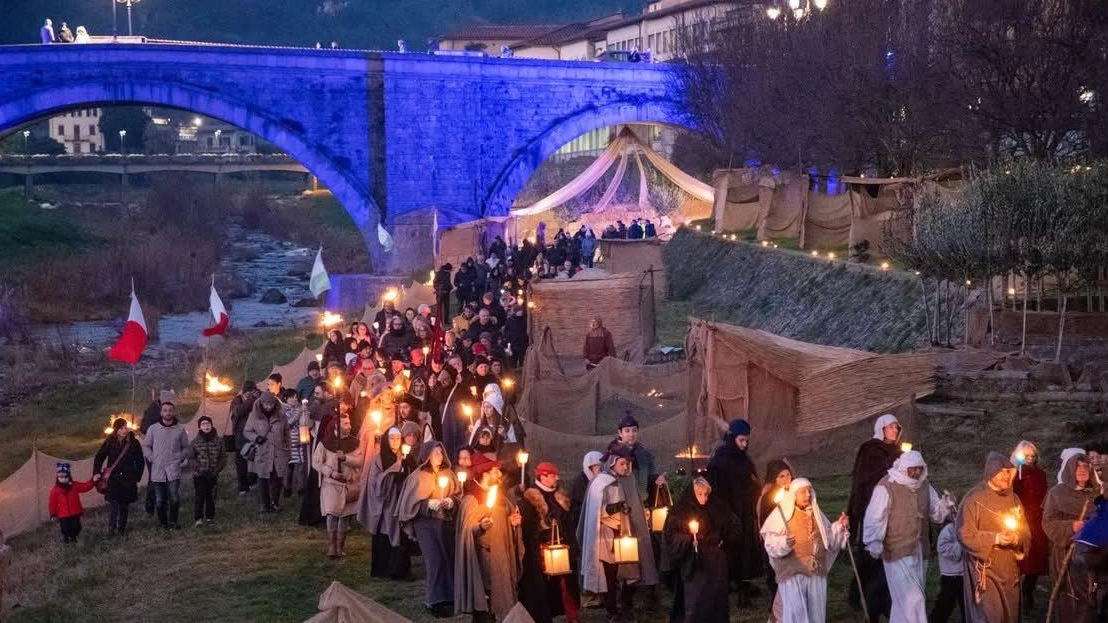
x: 515, y: 32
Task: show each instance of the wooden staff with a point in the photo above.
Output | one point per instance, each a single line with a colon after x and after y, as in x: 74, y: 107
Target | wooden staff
x: 1065, y: 568
x: 858, y: 579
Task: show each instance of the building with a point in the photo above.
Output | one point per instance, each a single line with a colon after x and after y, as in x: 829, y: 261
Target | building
x: 78, y: 130
x: 201, y: 135
x: 491, y: 38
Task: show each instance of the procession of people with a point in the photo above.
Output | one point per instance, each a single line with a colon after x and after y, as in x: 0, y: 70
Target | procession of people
x: 407, y: 430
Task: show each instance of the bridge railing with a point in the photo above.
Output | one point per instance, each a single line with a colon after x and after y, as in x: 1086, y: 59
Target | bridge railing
x: 115, y: 158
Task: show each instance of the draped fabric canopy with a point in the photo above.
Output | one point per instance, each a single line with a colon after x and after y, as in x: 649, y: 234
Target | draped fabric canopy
x: 617, y: 151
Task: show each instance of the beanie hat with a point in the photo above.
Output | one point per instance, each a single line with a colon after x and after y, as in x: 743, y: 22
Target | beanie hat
x: 545, y: 469
x: 738, y: 427
x: 63, y: 468
x: 628, y: 421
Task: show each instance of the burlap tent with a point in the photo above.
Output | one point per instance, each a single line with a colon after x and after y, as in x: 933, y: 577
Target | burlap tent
x: 465, y: 240
x: 216, y: 407
x: 569, y: 413
x: 565, y: 306
x: 793, y: 392
x: 634, y: 256
x: 293, y: 371
x: 339, y: 604
x: 784, y: 204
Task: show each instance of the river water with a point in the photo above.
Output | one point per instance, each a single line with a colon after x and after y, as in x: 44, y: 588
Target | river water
x: 266, y: 263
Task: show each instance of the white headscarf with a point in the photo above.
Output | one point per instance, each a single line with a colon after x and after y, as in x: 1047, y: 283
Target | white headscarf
x: 496, y: 400
x: 881, y: 423
x: 898, y: 473
x: 788, y: 507
x: 591, y: 458
x: 491, y: 388
x: 1028, y: 448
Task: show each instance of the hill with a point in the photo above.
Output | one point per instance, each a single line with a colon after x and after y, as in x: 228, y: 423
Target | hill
x: 373, y: 24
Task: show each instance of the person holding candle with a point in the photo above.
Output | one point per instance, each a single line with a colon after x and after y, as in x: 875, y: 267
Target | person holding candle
x: 489, y: 549
x: 896, y: 531
x: 802, y: 545
x: 1069, y: 504
x: 697, y: 533
x: 736, y: 483
x: 779, y: 474
x: 338, y: 459
x: 994, y: 537
x: 1030, y: 487
x: 426, y: 513
x: 874, y: 459
x: 377, y: 509
x: 544, y: 510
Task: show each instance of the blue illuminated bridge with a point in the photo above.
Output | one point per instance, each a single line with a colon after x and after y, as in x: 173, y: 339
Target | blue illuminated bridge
x: 390, y: 134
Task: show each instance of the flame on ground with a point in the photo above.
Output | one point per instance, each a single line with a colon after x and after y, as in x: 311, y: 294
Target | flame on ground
x: 214, y: 385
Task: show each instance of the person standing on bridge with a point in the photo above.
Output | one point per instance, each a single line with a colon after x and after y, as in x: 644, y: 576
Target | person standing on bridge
x: 65, y: 34
x: 46, y: 33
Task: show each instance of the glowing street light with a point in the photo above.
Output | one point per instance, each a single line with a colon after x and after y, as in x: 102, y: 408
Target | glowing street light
x: 122, y: 137
x: 26, y: 135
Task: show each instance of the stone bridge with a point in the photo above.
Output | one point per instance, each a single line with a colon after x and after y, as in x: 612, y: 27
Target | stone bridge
x: 390, y: 134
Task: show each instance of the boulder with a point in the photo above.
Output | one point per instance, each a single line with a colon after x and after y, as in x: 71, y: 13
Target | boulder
x: 1021, y: 364
x: 273, y: 296
x: 306, y: 303
x: 233, y: 287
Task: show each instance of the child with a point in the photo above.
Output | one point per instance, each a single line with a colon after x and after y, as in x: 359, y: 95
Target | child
x: 207, y: 452
x: 65, y: 502
x: 950, y: 578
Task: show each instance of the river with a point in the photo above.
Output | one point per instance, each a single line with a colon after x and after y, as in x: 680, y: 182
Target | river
x: 265, y: 263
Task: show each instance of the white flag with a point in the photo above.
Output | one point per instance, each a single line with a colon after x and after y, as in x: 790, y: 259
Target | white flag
x: 319, y: 282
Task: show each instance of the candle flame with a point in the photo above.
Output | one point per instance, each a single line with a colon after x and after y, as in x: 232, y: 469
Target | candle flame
x: 426, y: 349
x: 507, y: 383
x: 1011, y: 523
x: 376, y: 417
x: 405, y: 449
x: 319, y: 357
x: 398, y: 388
x: 694, y: 527
x: 443, y: 482
x: 213, y: 385
x: 391, y: 294
x: 468, y: 411
x: 336, y: 382
x: 490, y: 500
x: 1021, y: 458
x: 407, y: 373
x: 473, y: 390
x: 462, y: 476
x: 905, y: 447
x: 522, y: 457
x: 780, y: 495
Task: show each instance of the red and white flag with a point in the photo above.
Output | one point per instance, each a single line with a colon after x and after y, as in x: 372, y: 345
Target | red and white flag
x: 133, y: 341
x: 219, y: 315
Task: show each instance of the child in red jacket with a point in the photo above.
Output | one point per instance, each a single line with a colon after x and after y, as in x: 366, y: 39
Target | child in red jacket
x: 65, y: 502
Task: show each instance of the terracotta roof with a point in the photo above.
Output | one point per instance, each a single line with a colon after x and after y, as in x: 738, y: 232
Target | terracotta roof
x: 516, y: 32
x: 574, y: 32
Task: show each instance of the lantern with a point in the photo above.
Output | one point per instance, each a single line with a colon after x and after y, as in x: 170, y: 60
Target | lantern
x: 626, y: 549
x: 658, y: 518
x: 555, y: 555
x: 305, y: 435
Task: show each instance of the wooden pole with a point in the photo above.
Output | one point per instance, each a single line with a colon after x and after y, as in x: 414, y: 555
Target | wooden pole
x: 1064, y: 569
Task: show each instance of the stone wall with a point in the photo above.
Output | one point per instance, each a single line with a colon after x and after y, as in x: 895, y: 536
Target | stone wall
x: 795, y: 295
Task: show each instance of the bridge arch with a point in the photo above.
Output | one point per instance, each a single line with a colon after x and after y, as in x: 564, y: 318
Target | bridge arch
x: 513, y: 177
x: 283, y: 133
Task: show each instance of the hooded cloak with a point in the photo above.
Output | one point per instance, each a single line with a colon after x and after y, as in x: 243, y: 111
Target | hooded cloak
x: 487, y: 563
x: 1066, y: 503
x: 703, y: 583
x: 735, y: 483
x: 377, y: 507
x: 431, y: 529
x: 1030, y: 485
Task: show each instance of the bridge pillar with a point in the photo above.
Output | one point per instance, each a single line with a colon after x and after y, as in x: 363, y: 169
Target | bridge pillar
x: 122, y: 187
x: 28, y: 186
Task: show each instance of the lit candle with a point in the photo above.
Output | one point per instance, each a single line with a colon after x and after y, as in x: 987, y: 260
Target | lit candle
x: 398, y: 388
x: 468, y: 411
x: 376, y: 326
x: 462, y: 476
x: 780, y: 495
x: 490, y: 499
x: 1021, y: 458
x: 905, y: 447
x: 694, y: 528
x: 405, y: 449
x: 444, y: 481
x: 530, y: 305
x: 473, y: 390
x: 1011, y: 523
x: 507, y: 383
x: 522, y: 456
x: 336, y: 382
x: 376, y: 417
x: 426, y: 349
x: 407, y: 373
x: 362, y: 394
x: 319, y: 356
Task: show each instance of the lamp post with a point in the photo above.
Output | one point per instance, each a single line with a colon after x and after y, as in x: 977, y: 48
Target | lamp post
x: 115, y: 34
x: 218, y: 144
x: 122, y: 137
x: 797, y: 9
x: 130, y: 29
x: 26, y: 136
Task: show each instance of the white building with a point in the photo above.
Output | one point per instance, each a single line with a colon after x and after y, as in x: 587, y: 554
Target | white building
x: 78, y: 130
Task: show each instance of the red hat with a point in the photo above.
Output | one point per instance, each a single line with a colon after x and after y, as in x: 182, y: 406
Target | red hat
x: 481, y: 464
x: 545, y: 469
x: 478, y: 349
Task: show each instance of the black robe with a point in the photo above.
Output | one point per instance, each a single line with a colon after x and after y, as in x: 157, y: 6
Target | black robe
x: 122, y: 487
x: 736, y: 485
x: 873, y: 461
x: 700, y: 592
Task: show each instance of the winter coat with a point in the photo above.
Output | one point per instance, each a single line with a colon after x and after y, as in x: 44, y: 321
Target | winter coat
x: 588, y: 248
x: 241, y: 406
x: 736, y: 484
x: 332, y: 493
x: 273, y: 453
x: 515, y: 330
x: 167, y: 450
x: 123, y: 481
x: 207, y: 451
x: 305, y: 389
x: 66, y: 501
x: 334, y: 353
x: 442, y: 282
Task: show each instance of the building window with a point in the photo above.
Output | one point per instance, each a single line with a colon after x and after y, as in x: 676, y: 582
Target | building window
x: 61, y: 131
x: 92, y: 130
x: 77, y: 132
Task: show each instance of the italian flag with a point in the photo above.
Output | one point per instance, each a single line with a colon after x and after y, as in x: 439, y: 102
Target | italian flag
x: 133, y: 341
x: 320, y: 282
x: 219, y: 315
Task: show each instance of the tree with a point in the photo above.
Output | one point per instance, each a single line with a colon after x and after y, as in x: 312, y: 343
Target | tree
x: 37, y: 142
x: 132, y: 119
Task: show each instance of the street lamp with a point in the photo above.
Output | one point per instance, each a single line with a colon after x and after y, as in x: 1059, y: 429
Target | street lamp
x: 122, y: 135
x: 218, y: 144
x: 130, y: 30
x: 799, y: 9
x: 26, y: 135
